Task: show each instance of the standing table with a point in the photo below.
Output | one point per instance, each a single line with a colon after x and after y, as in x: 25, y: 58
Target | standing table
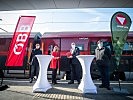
x: 86, y: 85
x: 42, y: 84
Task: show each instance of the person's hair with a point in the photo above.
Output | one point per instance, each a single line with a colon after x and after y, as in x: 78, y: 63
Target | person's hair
x: 99, y: 41
x: 72, y: 43
x: 56, y: 48
x: 37, y: 43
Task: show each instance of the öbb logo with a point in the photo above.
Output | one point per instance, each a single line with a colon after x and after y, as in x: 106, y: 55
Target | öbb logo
x: 21, y: 39
x: 121, y: 20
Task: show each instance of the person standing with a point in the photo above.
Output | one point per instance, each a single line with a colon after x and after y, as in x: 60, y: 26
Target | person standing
x: 54, y: 63
x: 34, y: 65
x: 103, y: 57
x: 74, y: 64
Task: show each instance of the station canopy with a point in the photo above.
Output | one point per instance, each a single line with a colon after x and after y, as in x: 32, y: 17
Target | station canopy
x: 10, y: 5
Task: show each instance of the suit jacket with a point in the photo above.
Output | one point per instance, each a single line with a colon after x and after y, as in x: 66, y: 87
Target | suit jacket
x: 103, y: 56
x: 74, y: 59
x: 33, y: 53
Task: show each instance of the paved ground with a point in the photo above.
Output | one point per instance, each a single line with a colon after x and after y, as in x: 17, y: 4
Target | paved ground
x: 21, y: 89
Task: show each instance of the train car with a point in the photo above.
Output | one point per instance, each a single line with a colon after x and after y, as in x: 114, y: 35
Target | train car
x: 86, y: 41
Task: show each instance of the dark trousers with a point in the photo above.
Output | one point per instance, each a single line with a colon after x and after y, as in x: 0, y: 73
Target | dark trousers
x: 54, y: 73
x: 104, y: 71
x: 75, y: 72
x: 1, y: 76
x: 34, y: 69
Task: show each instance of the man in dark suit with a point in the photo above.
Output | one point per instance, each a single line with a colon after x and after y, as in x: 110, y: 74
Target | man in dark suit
x: 34, y: 70
x: 74, y: 64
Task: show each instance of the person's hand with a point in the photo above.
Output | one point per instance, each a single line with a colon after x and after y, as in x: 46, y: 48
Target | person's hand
x: 57, y: 57
x: 70, y: 57
x: 28, y: 63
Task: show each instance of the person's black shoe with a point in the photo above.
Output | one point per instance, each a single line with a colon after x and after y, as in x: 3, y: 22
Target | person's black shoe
x: 71, y: 82
x: 101, y: 86
x: 78, y: 82
x: 3, y: 87
x: 56, y: 83
x: 31, y: 80
x: 53, y: 83
x: 108, y: 88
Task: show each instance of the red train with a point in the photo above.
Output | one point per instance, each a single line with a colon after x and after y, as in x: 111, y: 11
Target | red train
x: 86, y: 41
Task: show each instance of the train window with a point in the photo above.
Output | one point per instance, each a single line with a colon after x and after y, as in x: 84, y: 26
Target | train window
x: 93, y: 46
x: 80, y: 46
x: 128, y: 48
x: 108, y: 44
x: 2, y: 41
x: 66, y: 44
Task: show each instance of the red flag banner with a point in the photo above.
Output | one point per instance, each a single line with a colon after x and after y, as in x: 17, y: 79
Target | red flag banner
x: 19, y: 41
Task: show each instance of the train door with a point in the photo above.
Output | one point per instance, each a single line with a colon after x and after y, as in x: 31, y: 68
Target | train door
x: 49, y: 44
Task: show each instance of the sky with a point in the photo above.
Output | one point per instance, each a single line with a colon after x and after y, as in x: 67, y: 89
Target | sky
x: 58, y: 20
